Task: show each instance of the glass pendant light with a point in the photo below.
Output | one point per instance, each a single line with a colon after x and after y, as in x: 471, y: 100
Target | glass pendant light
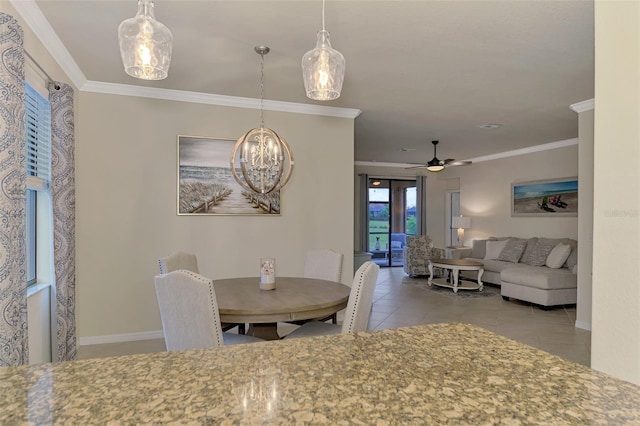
x: 145, y: 44
x: 323, y: 69
x: 263, y: 157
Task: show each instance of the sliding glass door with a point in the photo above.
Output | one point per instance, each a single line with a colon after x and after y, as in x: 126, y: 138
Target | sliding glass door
x: 392, y: 216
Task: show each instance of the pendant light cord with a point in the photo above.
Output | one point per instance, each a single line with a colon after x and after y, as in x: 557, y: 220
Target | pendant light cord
x: 262, y: 90
x: 322, y: 15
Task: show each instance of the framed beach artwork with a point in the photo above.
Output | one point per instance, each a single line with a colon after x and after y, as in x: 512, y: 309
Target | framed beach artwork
x: 206, y: 185
x: 545, y: 198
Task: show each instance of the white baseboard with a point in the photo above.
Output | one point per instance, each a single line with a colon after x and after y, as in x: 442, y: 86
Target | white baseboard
x: 583, y: 325
x: 118, y: 338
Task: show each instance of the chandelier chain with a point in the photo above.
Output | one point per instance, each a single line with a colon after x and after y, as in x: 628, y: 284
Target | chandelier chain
x: 322, y: 15
x: 262, y: 90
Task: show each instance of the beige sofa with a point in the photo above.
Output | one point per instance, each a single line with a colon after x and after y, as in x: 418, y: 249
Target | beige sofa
x: 536, y: 270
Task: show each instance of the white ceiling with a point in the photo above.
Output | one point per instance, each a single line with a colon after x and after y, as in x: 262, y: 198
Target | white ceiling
x: 418, y: 70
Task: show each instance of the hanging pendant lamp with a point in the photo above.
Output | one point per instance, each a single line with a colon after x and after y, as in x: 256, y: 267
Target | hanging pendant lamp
x: 263, y: 157
x: 323, y: 69
x: 145, y: 44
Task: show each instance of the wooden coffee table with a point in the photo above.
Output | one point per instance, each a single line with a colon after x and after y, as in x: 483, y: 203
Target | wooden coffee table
x: 455, y: 266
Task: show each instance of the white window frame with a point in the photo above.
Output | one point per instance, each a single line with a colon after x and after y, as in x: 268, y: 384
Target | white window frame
x: 38, y: 123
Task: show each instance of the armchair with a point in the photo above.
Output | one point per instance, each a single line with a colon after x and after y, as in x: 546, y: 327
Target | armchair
x: 417, y: 252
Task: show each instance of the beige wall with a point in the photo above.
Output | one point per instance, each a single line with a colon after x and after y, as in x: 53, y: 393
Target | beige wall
x: 615, y: 342
x: 485, y: 190
x: 126, y: 203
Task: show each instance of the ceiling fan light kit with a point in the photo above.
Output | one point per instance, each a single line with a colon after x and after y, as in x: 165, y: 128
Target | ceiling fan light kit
x: 323, y: 68
x: 437, y: 165
x: 434, y: 166
x: 145, y: 44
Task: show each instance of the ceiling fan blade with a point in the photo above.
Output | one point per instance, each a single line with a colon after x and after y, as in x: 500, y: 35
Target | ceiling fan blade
x: 418, y: 166
x: 455, y: 163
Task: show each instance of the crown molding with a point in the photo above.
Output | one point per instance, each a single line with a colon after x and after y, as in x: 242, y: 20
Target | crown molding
x: 382, y: 164
x: 583, y: 106
x: 528, y: 150
x: 211, y: 99
x: 506, y: 154
x: 35, y: 19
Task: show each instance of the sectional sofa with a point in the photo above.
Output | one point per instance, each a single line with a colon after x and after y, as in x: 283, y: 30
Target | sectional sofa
x: 537, y: 270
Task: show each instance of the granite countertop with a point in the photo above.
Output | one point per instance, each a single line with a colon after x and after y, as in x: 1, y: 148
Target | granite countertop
x: 434, y: 374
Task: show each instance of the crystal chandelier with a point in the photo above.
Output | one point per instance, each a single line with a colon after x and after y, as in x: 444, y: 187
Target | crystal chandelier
x: 323, y: 69
x: 262, y: 156
x: 145, y: 44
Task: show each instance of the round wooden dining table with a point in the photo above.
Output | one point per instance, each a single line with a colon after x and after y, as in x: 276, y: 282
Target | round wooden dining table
x: 240, y: 300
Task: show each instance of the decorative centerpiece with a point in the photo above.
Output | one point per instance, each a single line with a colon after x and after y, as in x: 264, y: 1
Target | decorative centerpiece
x: 267, y: 273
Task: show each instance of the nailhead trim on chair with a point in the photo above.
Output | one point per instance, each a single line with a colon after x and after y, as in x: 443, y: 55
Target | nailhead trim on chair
x: 357, y: 298
x: 162, y: 263
x: 214, y: 308
x: 359, y: 286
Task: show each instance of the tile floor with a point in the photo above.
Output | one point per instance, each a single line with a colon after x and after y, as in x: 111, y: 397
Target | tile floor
x: 402, y: 301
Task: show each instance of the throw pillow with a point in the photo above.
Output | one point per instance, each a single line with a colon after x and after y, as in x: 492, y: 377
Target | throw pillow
x: 479, y: 249
x: 572, y: 260
x: 513, y: 250
x: 396, y: 244
x: 558, y: 256
x: 494, y: 248
x: 537, y: 256
x: 532, y: 243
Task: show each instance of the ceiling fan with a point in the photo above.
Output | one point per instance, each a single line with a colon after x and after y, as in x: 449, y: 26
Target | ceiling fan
x: 436, y: 165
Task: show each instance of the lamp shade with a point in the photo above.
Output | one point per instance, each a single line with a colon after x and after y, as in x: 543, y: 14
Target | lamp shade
x: 145, y: 44
x: 323, y: 70
x: 463, y: 222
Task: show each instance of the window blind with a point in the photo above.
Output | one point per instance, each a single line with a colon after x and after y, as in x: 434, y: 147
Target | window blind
x: 38, y: 123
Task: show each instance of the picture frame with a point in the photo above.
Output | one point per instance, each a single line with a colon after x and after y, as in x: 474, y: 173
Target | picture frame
x: 545, y: 198
x: 206, y: 185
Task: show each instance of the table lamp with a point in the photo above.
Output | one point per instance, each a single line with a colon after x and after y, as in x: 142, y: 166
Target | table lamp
x: 461, y: 222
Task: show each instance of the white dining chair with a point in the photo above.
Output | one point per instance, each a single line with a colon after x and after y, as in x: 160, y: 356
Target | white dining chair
x: 358, y: 308
x: 189, y: 262
x: 178, y: 260
x: 189, y: 313
x: 324, y: 264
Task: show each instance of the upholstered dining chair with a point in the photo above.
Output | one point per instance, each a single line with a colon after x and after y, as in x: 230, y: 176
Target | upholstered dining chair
x: 178, y: 260
x: 358, y: 308
x: 324, y: 264
x: 189, y: 262
x: 189, y: 312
